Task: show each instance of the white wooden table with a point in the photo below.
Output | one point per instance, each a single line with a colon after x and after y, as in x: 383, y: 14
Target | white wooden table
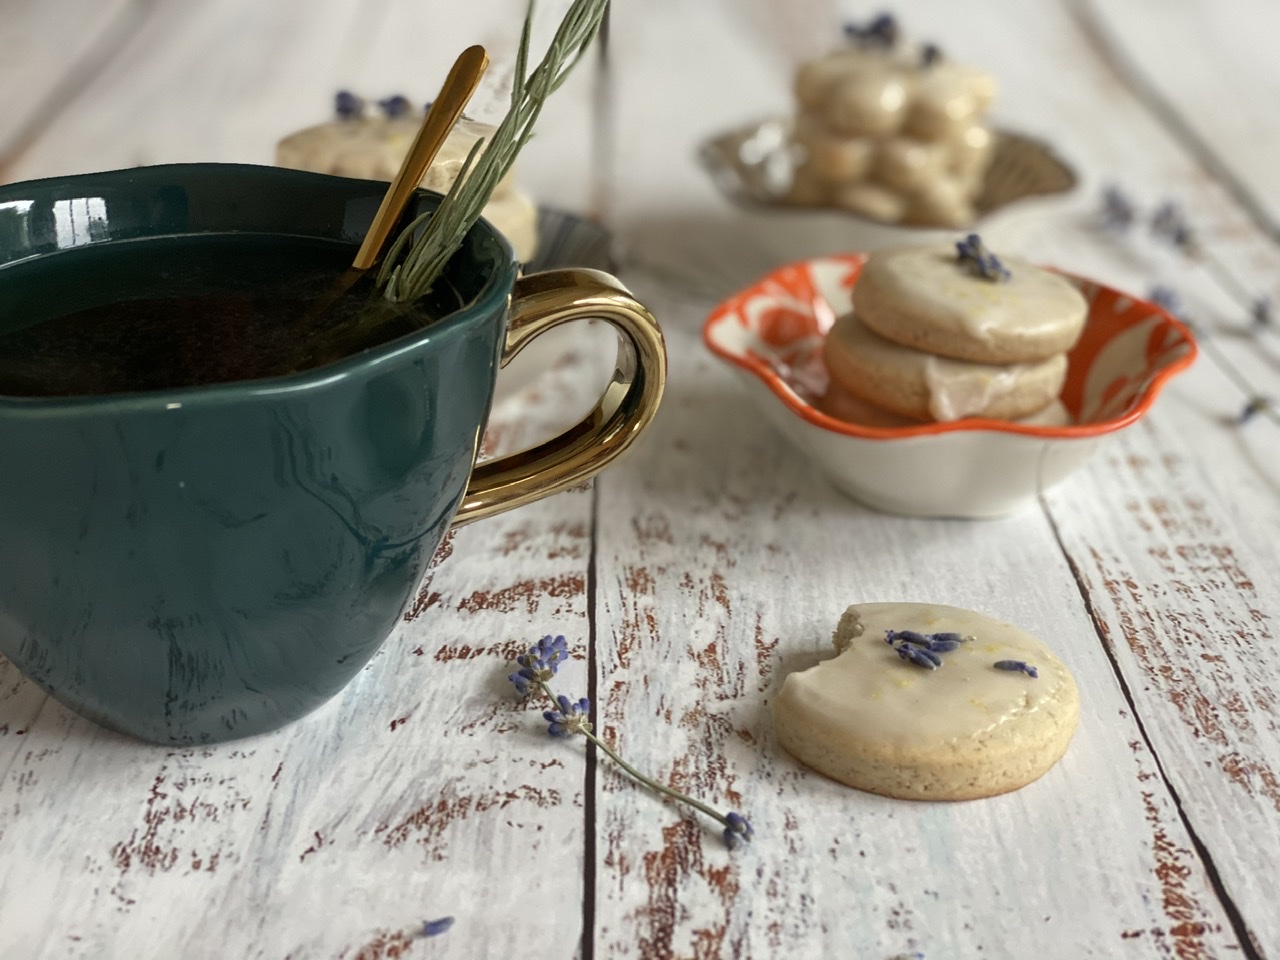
x: 695, y: 574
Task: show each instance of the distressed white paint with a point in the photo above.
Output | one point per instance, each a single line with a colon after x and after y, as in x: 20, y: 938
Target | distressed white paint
x: 720, y: 563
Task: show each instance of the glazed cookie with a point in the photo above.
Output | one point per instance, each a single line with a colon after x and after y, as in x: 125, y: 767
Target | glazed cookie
x: 929, y: 298
x: 372, y: 148
x: 943, y: 200
x: 908, y: 165
x: 871, y: 200
x: 929, y: 702
x: 840, y: 403
x: 947, y: 99
x: 915, y: 384
x: 891, y: 131
x: 833, y: 159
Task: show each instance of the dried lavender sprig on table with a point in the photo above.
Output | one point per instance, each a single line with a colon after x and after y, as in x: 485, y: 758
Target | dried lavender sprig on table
x: 418, y: 257
x: 1255, y: 402
x: 570, y: 718
x: 1169, y: 225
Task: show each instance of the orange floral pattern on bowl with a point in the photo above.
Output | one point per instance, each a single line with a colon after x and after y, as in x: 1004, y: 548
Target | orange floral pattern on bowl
x: 775, y: 329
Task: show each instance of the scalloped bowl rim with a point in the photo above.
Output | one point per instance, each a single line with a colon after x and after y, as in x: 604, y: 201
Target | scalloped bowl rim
x: 780, y: 388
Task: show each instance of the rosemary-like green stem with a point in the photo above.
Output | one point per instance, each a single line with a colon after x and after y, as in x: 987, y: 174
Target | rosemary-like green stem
x: 654, y: 784
x: 640, y: 777
x: 407, y: 275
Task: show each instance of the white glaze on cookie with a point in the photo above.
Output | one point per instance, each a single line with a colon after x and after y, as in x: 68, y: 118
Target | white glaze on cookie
x: 922, y: 297
x: 870, y: 689
x: 964, y: 730
x: 913, y: 383
x: 959, y: 388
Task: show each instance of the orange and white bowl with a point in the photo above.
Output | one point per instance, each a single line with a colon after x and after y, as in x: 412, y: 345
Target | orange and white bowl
x: 773, y: 331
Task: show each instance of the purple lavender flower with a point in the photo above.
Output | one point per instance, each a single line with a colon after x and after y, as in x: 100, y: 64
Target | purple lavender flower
x: 571, y: 718
x: 979, y: 261
x: 1118, y: 211
x: 920, y: 656
x: 881, y: 32
x: 1262, y: 312
x: 395, y: 106
x: 1169, y: 224
x: 1017, y: 666
x: 737, y: 831
x: 943, y: 642
x: 906, y: 636
x: 433, y: 928
x: 1168, y: 298
x: 1255, y: 406
x: 540, y: 664
x: 347, y: 105
x: 552, y: 649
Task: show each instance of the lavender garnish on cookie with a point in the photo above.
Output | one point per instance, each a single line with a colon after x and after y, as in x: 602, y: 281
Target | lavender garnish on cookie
x: 979, y: 261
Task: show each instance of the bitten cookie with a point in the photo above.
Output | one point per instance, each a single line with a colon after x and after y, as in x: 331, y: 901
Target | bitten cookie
x: 996, y: 712
x: 915, y: 384
x: 928, y: 298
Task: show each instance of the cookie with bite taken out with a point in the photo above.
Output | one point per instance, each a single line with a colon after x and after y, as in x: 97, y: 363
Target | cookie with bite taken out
x: 929, y: 702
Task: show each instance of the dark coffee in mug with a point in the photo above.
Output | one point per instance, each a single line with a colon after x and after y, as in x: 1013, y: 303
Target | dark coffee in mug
x: 185, y: 311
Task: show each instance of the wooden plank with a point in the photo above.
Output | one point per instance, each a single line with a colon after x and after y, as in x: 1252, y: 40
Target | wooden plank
x: 1174, y: 538
x: 53, y: 51
x: 1203, y: 68
x: 265, y: 71
x: 1105, y: 131
x: 718, y: 576
x: 721, y: 564
x: 1185, y: 595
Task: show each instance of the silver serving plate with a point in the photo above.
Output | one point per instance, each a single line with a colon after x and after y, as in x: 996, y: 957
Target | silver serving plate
x: 754, y: 165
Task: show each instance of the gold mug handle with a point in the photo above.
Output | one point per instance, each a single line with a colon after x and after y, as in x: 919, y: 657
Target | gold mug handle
x: 538, y: 303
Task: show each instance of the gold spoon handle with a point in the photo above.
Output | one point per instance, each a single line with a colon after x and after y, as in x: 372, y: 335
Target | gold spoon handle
x: 458, y: 87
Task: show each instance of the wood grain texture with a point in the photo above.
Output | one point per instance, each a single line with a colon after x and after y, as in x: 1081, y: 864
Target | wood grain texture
x: 52, y: 52
x: 725, y: 578
x: 268, y: 69
x: 1185, y: 600
x: 1205, y: 74
x: 1124, y: 142
x: 712, y: 560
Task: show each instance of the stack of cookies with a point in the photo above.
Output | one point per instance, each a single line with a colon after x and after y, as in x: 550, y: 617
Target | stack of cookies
x: 896, y: 135
x: 940, y: 333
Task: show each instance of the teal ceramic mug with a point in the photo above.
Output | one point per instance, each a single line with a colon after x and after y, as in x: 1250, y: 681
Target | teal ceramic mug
x: 205, y: 562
